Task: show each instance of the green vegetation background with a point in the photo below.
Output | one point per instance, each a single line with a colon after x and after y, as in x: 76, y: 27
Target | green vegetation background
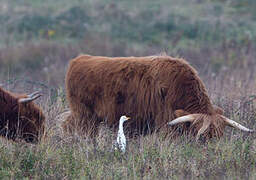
x: 36, y: 35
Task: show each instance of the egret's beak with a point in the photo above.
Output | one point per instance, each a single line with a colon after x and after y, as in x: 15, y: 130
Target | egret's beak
x: 128, y: 118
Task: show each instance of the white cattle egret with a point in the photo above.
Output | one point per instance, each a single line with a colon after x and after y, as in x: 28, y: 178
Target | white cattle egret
x: 121, y: 140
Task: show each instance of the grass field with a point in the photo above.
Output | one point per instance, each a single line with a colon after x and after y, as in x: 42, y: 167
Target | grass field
x: 38, y: 38
x: 149, y: 157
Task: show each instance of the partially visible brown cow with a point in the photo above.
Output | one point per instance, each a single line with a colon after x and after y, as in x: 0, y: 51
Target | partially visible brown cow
x: 20, y: 117
x: 152, y: 90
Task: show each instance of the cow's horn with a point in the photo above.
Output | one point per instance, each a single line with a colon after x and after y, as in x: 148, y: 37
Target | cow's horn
x: 182, y: 119
x: 33, y: 94
x: 30, y: 97
x: 236, y: 125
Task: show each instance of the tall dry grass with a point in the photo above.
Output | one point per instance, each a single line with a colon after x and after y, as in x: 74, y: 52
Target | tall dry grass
x: 149, y: 157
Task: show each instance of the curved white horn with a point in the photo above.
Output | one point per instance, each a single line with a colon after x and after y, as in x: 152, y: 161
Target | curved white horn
x: 236, y: 125
x: 29, y: 99
x: 33, y: 94
x: 182, y: 119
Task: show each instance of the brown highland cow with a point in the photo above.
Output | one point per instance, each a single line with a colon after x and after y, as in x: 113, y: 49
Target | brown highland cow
x: 153, y: 91
x: 20, y: 117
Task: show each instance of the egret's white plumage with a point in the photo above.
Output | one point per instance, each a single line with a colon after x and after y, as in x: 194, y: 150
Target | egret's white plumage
x: 121, y: 140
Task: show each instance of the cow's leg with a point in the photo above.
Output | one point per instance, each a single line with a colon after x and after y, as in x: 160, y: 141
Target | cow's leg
x: 88, y: 126
x: 83, y: 126
x: 68, y: 125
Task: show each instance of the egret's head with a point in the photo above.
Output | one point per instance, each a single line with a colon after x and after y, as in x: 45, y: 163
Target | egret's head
x: 124, y: 118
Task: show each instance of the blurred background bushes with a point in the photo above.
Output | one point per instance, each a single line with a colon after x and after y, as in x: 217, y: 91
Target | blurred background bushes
x: 37, y: 37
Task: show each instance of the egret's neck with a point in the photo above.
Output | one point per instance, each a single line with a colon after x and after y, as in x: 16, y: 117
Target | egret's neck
x: 121, y: 126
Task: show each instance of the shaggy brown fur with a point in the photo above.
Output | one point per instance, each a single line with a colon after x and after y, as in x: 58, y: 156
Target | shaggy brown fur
x: 23, y: 120
x: 151, y: 90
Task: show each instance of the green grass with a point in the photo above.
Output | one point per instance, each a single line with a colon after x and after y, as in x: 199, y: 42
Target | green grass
x: 147, y: 157
x: 142, y: 22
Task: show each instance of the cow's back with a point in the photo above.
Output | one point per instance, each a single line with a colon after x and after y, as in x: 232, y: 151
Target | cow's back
x: 109, y: 87
x: 148, y: 89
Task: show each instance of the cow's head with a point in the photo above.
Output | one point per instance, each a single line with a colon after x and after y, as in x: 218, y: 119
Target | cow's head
x: 31, y: 118
x: 206, y: 126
